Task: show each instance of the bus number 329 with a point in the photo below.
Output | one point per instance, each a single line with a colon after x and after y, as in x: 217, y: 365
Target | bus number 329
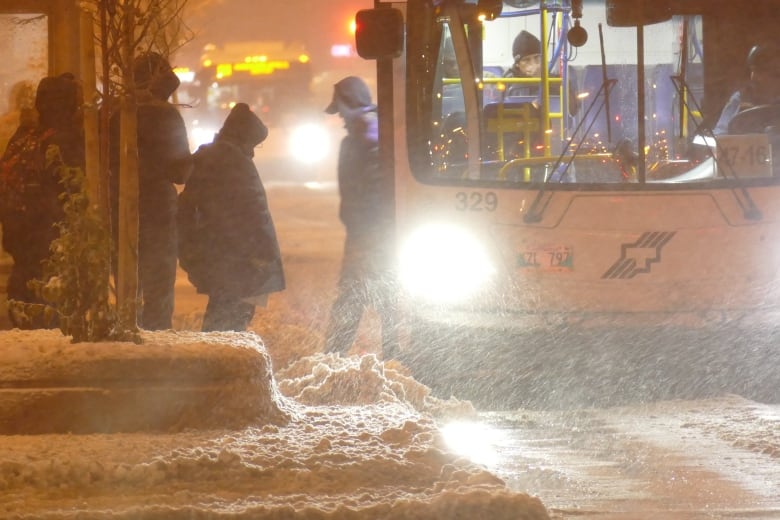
x: 476, y: 201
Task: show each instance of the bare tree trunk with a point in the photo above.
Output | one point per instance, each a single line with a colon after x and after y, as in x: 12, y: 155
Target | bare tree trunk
x: 127, y: 248
x: 105, y: 116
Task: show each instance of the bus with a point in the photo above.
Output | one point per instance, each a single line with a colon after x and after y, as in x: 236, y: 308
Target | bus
x: 516, y: 212
x: 273, y: 77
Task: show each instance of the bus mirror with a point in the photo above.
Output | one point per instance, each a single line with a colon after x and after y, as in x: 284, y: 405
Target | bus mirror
x: 379, y: 33
x: 630, y: 13
x: 490, y: 9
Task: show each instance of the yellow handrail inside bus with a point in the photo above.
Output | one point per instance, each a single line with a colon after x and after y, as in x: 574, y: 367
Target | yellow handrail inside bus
x: 513, y: 120
x: 541, y: 160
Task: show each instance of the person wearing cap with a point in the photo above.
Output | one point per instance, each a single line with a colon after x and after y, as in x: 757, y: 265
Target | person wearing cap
x: 227, y: 239
x: 763, y: 87
x: 164, y: 160
x: 366, y: 210
x: 527, y: 53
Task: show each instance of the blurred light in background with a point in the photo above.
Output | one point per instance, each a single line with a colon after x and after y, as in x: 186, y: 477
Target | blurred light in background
x: 341, y: 50
x: 309, y: 143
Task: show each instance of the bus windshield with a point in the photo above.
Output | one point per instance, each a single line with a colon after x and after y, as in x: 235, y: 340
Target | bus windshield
x: 545, y: 111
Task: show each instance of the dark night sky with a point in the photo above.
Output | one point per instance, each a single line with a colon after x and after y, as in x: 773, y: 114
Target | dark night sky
x: 317, y: 23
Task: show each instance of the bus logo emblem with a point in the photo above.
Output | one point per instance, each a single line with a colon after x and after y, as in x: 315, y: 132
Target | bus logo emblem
x: 638, y: 257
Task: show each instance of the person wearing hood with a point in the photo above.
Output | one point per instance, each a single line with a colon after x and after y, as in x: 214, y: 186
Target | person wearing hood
x: 164, y: 160
x: 30, y: 186
x: 227, y: 239
x: 367, y: 211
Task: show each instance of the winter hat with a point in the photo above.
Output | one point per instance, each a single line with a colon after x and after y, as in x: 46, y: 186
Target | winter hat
x: 243, y: 126
x: 153, y: 72
x: 57, y: 94
x: 525, y: 44
x: 349, y: 94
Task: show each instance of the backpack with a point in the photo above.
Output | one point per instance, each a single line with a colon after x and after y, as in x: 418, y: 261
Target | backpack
x: 23, y: 172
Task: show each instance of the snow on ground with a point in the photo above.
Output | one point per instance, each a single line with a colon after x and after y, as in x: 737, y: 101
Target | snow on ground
x: 357, y: 440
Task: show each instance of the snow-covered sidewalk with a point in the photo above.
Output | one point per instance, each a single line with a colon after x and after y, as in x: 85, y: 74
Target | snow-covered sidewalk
x: 358, y: 441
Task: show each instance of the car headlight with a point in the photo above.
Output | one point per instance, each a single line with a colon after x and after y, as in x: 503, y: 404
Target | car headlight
x: 444, y: 263
x: 201, y: 134
x: 309, y: 143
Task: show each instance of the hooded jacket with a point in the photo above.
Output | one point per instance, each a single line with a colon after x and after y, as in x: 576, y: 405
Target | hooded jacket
x: 366, y: 194
x: 32, y: 206
x: 164, y: 157
x: 227, y: 239
x: 366, y: 207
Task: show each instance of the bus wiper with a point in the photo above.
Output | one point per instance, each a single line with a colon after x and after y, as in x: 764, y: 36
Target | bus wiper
x: 536, y: 211
x: 749, y: 209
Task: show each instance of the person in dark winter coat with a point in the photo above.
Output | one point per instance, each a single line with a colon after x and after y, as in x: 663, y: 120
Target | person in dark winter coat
x: 30, y: 175
x: 366, y: 210
x: 227, y: 239
x: 164, y: 160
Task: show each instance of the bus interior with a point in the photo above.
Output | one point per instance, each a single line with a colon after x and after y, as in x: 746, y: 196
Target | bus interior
x: 577, y: 121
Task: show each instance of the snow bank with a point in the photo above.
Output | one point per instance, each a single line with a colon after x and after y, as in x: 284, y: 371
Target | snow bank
x: 331, y: 379
x: 357, y: 442
x: 173, y: 381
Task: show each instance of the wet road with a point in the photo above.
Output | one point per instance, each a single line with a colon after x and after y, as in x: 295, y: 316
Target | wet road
x: 571, y: 367
x: 715, y: 458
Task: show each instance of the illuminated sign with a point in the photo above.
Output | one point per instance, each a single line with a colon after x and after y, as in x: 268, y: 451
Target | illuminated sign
x: 254, y: 68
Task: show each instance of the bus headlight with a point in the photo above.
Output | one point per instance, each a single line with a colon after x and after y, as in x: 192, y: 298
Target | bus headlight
x: 444, y: 263
x: 309, y: 143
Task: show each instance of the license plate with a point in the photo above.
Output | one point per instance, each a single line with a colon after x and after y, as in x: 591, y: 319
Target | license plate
x: 554, y: 258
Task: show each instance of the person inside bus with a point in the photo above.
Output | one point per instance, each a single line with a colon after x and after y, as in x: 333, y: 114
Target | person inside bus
x: 763, y: 87
x: 527, y: 52
x: 366, y: 210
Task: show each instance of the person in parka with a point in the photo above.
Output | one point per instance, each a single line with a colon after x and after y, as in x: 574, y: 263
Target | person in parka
x: 367, y: 277
x: 31, y: 187
x: 227, y: 239
x: 164, y: 160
